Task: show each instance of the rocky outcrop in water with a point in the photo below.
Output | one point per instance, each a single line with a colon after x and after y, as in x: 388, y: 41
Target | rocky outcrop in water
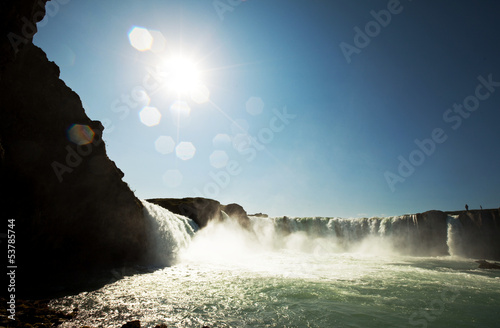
x: 488, y: 265
x: 73, y: 213
x: 203, y: 210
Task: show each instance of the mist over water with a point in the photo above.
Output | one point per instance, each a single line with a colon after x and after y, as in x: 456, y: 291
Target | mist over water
x: 295, y: 272
x: 170, y: 233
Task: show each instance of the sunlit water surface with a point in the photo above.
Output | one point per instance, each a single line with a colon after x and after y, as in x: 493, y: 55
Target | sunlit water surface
x: 225, y: 276
x: 293, y: 289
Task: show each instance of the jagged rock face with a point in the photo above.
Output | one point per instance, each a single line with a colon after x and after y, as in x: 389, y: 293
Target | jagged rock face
x: 72, y: 210
x: 17, y: 25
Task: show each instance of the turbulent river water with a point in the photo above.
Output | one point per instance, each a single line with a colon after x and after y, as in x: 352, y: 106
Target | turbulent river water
x: 225, y: 276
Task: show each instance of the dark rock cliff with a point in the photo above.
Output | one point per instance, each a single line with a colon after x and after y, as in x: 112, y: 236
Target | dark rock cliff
x: 475, y: 234
x: 200, y: 210
x: 73, y: 213
x: 203, y: 210
x: 422, y: 234
x: 478, y: 233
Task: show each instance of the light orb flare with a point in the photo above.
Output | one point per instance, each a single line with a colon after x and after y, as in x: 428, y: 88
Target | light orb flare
x: 182, y: 75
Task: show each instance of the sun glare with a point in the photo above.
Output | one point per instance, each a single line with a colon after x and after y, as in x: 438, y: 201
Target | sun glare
x: 182, y: 74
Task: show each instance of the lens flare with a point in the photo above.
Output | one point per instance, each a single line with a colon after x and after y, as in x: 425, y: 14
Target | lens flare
x: 140, y: 38
x: 80, y: 134
x: 185, y: 150
x: 182, y: 75
x: 150, y: 116
x: 219, y: 159
x: 165, y: 145
x: 200, y: 94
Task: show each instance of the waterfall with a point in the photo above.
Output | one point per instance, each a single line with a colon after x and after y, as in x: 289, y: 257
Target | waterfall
x: 406, y: 234
x: 311, y: 234
x: 454, y: 235
x: 433, y: 233
x: 170, y: 233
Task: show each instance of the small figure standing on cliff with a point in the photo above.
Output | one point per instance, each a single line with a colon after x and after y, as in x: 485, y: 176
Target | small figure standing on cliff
x: 481, y: 207
x: 466, y: 207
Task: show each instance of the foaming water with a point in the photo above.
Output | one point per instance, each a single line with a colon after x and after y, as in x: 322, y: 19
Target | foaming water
x: 223, y: 242
x: 292, y: 289
x: 170, y: 233
x: 285, y: 272
x: 454, y: 241
x: 375, y: 236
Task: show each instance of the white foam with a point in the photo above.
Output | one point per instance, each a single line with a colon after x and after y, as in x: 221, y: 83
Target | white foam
x: 170, y: 233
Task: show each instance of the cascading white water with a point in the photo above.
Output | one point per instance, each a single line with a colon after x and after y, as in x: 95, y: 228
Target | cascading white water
x: 298, y: 272
x: 454, y: 235
x: 170, y: 233
x: 173, y: 233
x: 336, y: 235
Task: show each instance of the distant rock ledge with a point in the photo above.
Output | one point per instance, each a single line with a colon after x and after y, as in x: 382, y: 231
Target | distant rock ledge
x: 202, y: 210
x: 259, y: 215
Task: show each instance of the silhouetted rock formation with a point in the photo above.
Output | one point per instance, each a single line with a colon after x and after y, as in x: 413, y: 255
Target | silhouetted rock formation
x: 73, y: 213
x: 33, y: 314
x: 203, y: 210
x: 259, y: 215
x: 487, y: 265
x: 237, y: 212
x: 200, y: 210
x: 132, y: 324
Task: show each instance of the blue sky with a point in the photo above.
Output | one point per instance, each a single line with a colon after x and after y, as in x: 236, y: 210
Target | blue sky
x: 308, y: 125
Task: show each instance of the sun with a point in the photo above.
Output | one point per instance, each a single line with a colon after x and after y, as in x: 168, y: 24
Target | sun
x: 182, y: 75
